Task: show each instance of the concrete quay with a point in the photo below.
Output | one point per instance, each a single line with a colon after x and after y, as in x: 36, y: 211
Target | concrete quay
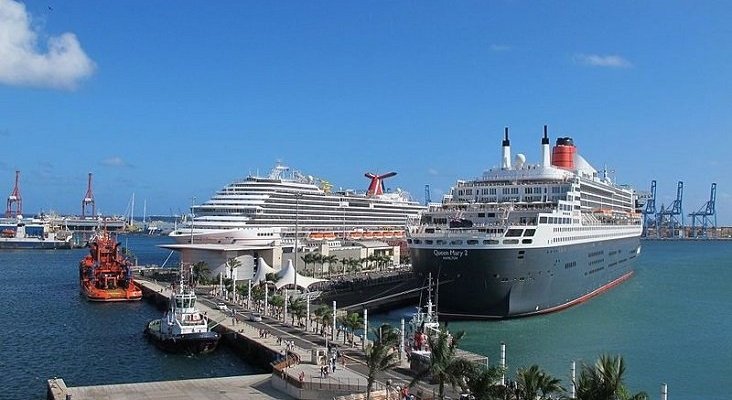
x: 294, y: 356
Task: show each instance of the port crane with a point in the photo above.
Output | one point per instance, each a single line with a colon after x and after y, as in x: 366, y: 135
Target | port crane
x: 706, y: 216
x: 649, y: 212
x: 668, y: 218
x: 15, y: 201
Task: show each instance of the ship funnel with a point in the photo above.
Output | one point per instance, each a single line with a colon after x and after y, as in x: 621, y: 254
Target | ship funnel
x: 564, y: 153
x: 545, y: 154
x: 506, y: 164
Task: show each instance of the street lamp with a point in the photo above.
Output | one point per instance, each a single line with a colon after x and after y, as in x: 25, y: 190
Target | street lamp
x: 297, y: 218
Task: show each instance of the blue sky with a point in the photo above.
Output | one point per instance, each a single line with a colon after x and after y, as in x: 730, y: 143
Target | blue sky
x: 175, y: 100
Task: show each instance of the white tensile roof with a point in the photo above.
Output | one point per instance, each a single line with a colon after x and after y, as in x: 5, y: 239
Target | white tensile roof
x: 287, y: 277
x: 262, y: 270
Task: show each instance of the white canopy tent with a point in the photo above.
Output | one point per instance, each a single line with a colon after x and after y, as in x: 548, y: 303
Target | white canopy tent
x: 287, y: 277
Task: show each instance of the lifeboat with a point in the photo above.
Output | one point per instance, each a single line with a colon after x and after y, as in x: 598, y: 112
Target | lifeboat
x: 316, y: 236
x: 105, y: 274
x: 368, y: 235
x: 355, y: 235
x: 329, y: 235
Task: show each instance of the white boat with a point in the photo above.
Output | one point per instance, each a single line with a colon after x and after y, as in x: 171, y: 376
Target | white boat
x: 183, y: 329
x: 267, y: 210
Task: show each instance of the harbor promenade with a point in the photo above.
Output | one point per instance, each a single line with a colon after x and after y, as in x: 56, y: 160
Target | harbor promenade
x: 295, y: 356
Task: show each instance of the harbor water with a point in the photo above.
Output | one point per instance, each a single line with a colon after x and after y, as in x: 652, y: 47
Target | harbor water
x: 671, y: 322
x: 50, y: 330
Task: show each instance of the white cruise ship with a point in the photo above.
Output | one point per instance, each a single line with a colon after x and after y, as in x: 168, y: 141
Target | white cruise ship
x: 526, y: 239
x: 266, y: 211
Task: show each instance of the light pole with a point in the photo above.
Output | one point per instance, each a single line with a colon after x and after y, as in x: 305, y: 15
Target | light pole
x: 193, y: 203
x: 297, y: 218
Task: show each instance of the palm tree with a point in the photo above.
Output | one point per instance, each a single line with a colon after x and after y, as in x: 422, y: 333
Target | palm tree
x: 320, y: 313
x: 296, y: 307
x: 530, y: 382
x: 485, y: 383
x: 242, y: 291
x: 200, y: 273
x: 258, y: 296
x: 278, y: 303
x: 379, y: 358
x: 351, y: 322
x: 331, y: 259
x: 386, y: 334
x: 444, y: 366
x: 604, y: 381
x: 307, y: 258
x: 317, y: 259
x: 345, y: 262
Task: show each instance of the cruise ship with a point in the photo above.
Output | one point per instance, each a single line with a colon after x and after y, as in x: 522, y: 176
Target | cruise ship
x: 526, y: 239
x: 268, y: 210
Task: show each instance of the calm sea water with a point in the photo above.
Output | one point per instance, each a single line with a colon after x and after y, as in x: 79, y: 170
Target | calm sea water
x: 49, y: 330
x: 672, y: 323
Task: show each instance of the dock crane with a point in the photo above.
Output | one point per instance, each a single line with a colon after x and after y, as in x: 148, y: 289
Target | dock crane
x: 668, y: 218
x: 649, y: 212
x: 15, y: 200
x: 707, y: 215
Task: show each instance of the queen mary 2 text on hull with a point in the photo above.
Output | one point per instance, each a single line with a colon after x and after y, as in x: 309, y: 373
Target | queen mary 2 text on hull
x: 526, y: 239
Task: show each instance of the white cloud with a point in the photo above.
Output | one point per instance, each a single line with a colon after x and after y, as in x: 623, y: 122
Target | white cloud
x: 432, y: 172
x: 115, y: 161
x: 596, y: 60
x: 500, y: 47
x: 23, y: 63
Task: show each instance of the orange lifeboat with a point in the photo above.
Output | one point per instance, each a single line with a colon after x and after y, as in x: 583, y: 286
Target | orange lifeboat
x: 329, y: 235
x: 317, y: 236
x: 368, y: 235
x: 105, y: 274
x: 355, y: 235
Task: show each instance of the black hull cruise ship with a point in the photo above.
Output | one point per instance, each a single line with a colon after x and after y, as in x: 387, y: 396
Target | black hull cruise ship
x: 528, y: 239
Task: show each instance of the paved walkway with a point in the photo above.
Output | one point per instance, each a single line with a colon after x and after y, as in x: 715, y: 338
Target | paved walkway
x: 229, y: 388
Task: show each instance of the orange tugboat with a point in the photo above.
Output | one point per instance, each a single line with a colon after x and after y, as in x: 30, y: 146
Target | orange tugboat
x: 105, y: 274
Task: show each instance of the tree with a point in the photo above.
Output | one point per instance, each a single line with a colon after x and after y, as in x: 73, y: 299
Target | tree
x: 444, y: 366
x: 345, y: 262
x: 307, y: 258
x: 258, y: 295
x: 320, y: 313
x: 387, y: 334
x: 604, y: 381
x: 379, y: 358
x: 317, y: 259
x: 331, y: 260
x: 351, y: 322
x: 242, y: 291
x: 533, y: 384
x: 297, y: 308
x: 200, y: 273
x: 278, y: 302
x: 485, y: 383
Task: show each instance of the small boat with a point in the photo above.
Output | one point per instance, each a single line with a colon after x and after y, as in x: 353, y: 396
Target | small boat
x: 105, y: 274
x: 183, y: 329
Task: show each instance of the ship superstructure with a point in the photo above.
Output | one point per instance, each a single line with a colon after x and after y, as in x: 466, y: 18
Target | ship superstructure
x: 262, y: 210
x: 527, y: 238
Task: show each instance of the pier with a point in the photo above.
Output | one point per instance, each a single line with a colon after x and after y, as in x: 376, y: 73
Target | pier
x: 294, y: 356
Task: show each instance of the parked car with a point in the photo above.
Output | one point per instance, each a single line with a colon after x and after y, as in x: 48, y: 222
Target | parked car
x: 256, y: 317
x: 222, y: 307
